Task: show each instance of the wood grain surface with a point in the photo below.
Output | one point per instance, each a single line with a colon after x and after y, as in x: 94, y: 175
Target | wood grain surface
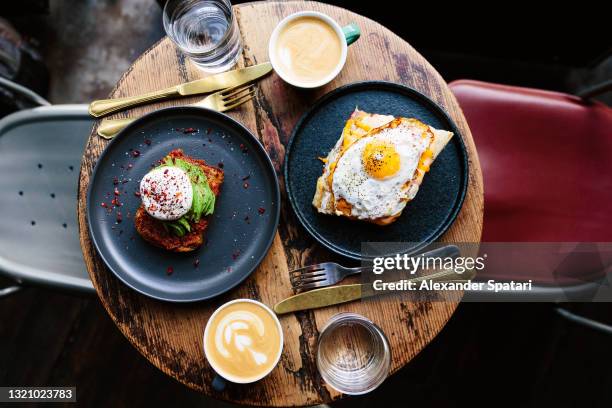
x: 170, y: 335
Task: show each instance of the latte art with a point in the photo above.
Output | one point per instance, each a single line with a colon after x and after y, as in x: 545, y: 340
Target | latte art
x: 242, y: 341
x: 237, y: 334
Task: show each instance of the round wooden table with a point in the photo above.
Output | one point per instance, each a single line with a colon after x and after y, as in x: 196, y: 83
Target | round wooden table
x: 170, y: 335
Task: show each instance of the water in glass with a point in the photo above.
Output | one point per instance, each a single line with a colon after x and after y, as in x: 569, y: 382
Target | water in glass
x: 205, y: 30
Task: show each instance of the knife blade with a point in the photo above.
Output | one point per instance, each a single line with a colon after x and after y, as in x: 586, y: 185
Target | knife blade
x: 212, y: 83
x: 335, y: 295
x: 224, y: 80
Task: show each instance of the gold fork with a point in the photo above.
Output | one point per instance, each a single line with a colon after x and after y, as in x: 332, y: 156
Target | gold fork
x: 220, y: 101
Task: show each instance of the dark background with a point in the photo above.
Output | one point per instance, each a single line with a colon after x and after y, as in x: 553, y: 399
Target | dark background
x: 496, y: 354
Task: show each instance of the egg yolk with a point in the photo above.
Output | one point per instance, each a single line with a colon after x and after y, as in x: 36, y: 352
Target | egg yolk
x: 380, y: 160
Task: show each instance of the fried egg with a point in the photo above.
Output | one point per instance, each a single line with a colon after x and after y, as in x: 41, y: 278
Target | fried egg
x: 373, y: 172
x: 166, y: 193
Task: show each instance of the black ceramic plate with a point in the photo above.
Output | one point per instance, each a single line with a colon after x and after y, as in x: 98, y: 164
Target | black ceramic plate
x: 424, y: 219
x: 240, y: 231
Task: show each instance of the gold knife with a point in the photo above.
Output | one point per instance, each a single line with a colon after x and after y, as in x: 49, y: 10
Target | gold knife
x: 212, y: 83
x: 335, y: 295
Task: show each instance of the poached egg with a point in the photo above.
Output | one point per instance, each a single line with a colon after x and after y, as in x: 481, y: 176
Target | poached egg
x: 166, y: 193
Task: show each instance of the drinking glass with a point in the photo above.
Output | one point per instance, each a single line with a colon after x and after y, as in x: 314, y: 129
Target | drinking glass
x: 353, y: 354
x: 205, y: 30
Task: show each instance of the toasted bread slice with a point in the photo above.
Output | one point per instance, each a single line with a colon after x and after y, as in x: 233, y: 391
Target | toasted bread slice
x: 362, y: 124
x: 153, y: 231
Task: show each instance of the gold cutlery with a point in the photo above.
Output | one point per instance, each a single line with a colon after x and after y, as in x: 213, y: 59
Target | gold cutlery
x: 212, y: 83
x: 330, y: 273
x: 221, y: 101
x: 334, y: 295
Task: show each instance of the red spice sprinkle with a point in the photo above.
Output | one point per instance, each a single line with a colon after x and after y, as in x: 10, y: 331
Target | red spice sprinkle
x: 261, y: 210
x: 147, y: 142
x: 245, y: 185
x: 169, y: 270
x: 229, y: 269
x: 115, y: 180
x: 236, y: 254
x: 116, y: 191
x: 130, y: 166
x: 196, y: 263
x: 119, y: 217
x: 190, y: 130
x: 243, y: 148
x: 135, y: 153
x: 104, y: 205
x: 166, y: 171
x: 137, y: 193
x: 208, y: 131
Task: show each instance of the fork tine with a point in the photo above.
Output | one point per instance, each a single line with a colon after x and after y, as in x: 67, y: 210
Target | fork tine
x: 236, y: 90
x: 318, y: 279
x: 308, y: 276
x: 299, y: 281
x: 313, y: 279
x: 299, y: 274
x: 239, y: 94
x: 244, y: 99
x: 306, y: 271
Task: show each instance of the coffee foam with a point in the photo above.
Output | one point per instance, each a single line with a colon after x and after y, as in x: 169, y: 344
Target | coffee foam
x: 243, y: 341
x: 308, y: 50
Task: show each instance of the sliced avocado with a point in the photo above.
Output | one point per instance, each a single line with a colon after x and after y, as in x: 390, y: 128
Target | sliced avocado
x: 209, y: 200
x: 197, y: 205
x: 176, y: 229
x: 184, y: 223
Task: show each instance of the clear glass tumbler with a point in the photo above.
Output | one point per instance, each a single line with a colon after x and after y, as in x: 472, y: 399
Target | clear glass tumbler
x: 205, y: 30
x: 353, y: 354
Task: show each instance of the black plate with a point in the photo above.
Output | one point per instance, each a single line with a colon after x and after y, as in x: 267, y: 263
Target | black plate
x: 235, y: 244
x: 425, y: 218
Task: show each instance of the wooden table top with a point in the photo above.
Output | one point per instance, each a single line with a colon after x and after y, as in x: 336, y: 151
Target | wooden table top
x: 170, y: 335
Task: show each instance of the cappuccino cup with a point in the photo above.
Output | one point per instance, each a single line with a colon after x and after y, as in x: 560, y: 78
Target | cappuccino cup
x: 243, y: 342
x: 308, y: 49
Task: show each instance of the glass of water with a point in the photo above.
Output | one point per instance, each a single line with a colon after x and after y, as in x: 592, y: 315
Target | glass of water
x: 206, y: 31
x: 353, y: 354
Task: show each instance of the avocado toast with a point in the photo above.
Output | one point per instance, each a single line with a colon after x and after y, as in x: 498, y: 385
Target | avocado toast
x: 186, y: 233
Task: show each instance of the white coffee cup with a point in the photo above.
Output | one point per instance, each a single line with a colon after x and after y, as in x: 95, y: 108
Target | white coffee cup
x: 347, y: 35
x: 218, y: 382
